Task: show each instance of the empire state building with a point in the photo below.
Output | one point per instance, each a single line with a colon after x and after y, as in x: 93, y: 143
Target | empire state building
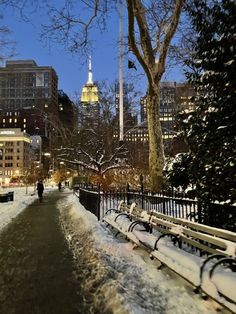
x: 90, y: 98
x: 90, y: 89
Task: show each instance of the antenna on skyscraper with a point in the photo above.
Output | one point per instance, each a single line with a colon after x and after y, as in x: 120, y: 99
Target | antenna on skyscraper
x: 90, y: 73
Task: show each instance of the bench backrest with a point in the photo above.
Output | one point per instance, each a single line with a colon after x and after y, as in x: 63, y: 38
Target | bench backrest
x: 204, y: 238
x: 221, y: 233
x: 131, y: 209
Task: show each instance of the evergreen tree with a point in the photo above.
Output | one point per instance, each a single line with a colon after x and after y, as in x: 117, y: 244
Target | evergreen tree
x: 210, y: 131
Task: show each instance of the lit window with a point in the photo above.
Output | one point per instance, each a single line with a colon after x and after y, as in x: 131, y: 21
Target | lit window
x: 10, y: 120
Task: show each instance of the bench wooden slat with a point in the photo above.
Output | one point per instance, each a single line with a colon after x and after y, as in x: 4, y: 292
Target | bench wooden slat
x: 205, y: 237
x: 225, y: 234
x: 197, y: 235
x: 162, y: 223
x: 200, y: 246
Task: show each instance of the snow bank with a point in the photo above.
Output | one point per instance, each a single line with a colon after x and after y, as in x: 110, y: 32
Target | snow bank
x: 140, y: 286
x: 185, y: 263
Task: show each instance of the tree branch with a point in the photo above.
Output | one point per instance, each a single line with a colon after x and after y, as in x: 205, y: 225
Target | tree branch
x: 146, y: 43
x: 131, y: 31
x: 168, y: 36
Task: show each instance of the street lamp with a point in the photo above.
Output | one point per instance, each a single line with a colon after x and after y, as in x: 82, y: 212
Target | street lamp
x: 47, y: 154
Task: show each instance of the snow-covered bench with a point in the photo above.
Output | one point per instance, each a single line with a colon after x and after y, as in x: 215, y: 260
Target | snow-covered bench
x: 203, y: 255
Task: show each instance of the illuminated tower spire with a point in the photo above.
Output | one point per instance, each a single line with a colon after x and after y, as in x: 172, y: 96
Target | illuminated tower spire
x: 90, y: 73
x: 90, y: 89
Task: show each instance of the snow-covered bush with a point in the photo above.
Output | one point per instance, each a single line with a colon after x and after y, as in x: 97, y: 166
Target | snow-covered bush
x: 210, y: 130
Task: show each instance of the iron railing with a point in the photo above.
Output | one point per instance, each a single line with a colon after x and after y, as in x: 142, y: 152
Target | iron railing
x: 169, y: 202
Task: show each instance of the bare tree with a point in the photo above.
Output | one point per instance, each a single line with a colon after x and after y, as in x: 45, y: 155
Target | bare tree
x: 151, y: 53
x: 6, y: 43
x: 152, y: 25
x: 89, y: 154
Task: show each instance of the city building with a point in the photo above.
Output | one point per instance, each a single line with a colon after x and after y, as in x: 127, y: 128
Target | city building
x: 28, y: 93
x: 143, y: 109
x: 15, y: 154
x: 185, y: 94
x: 89, y: 98
x: 68, y: 115
x: 36, y: 145
x: 184, y: 97
x: 168, y: 108
x: 174, y: 98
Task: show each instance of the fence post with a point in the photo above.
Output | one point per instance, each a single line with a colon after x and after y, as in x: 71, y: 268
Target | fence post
x: 98, y: 205
x: 199, y: 211
x: 163, y: 202
x: 142, y: 191
x: 127, y: 193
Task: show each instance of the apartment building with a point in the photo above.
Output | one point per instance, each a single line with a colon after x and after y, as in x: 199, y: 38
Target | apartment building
x: 174, y: 97
x: 28, y: 93
x: 15, y: 151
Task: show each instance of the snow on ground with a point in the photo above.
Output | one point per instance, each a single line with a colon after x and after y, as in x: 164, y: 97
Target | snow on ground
x: 22, y: 198
x: 142, y: 287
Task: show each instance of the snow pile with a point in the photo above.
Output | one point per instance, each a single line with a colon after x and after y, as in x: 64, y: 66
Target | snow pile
x: 11, y: 209
x: 183, y: 262
x: 129, y: 277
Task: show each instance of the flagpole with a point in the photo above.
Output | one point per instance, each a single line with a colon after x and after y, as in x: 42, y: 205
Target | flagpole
x: 121, y: 92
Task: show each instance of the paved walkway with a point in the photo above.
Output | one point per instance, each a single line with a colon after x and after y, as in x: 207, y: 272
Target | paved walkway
x: 36, y: 266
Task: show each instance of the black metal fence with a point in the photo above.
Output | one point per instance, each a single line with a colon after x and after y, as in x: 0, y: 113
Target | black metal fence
x: 91, y: 201
x: 168, y: 202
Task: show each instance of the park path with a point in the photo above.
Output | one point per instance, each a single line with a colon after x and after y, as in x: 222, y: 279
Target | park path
x: 36, y: 265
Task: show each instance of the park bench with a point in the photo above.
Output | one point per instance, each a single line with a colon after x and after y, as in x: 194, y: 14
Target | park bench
x: 202, y: 255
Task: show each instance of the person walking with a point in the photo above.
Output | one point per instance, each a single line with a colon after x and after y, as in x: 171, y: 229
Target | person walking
x: 40, y: 189
x: 59, y: 186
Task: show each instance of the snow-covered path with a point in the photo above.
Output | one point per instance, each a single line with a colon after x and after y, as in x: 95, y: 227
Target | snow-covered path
x: 117, y: 277
x: 22, y: 198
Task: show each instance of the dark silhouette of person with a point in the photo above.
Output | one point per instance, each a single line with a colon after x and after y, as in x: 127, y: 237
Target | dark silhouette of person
x: 40, y: 189
x: 59, y: 186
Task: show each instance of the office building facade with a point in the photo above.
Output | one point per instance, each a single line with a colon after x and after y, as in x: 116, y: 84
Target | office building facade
x: 90, y: 108
x: 28, y: 93
x: 15, y: 153
x: 174, y: 97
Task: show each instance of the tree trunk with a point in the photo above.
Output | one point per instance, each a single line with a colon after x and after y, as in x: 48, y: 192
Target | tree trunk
x: 156, y: 149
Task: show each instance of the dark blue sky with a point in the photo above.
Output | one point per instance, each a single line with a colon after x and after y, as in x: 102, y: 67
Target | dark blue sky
x: 72, y: 71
